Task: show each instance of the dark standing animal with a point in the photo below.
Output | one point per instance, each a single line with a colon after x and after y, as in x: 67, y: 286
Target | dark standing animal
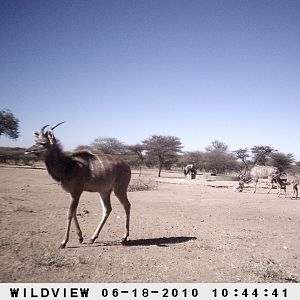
x: 84, y: 171
x: 258, y: 172
x: 189, y: 170
x: 281, y: 183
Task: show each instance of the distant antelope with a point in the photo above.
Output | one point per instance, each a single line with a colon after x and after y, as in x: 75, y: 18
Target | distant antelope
x: 295, y: 182
x: 258, y: 172
x: 281, y: 184
x: 84, y: 171
x: 189, y: 170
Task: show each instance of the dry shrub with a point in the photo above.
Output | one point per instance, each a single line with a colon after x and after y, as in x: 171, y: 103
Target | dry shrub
x: 267, y: 270
x: 137, y: 185
x: 51, y: 258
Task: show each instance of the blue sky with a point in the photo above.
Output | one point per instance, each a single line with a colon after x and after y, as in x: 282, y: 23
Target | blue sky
x: 199, y: 70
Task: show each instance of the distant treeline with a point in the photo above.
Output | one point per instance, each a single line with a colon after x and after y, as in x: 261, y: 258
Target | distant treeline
x: 165, y: 152
x: 16, y: 156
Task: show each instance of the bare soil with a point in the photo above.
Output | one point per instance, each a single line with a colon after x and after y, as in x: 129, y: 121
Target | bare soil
x: 181, y: 231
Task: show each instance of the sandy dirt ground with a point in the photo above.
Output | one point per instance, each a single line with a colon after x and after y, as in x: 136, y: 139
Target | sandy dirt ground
x: 182, y: 231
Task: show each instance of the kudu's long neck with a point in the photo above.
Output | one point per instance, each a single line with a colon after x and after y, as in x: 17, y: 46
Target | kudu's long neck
x: 248, y: 177
x: 57, y: 162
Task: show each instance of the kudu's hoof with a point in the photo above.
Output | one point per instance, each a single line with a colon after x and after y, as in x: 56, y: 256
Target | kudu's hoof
x: 81, y: 240
x: 124, y: 241
x: 92, y: 240
x: 62, y: 246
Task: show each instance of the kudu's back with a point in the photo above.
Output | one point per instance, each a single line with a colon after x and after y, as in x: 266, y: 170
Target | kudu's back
x: 103, y: 172
x: 263, y: 171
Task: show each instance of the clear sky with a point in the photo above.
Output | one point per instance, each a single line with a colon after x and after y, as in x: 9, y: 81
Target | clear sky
x: 199, y: 70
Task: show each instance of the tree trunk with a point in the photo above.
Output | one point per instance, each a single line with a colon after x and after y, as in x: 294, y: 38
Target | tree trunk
x: 159, y: 170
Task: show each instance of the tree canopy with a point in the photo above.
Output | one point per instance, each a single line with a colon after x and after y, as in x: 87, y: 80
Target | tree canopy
x: 9, y: 124
x: 164, y: 148
x: 282, y: 161
x: 261, y: 154
x: 108, y: 145
x: 217, y: 146
x: 138, y: 150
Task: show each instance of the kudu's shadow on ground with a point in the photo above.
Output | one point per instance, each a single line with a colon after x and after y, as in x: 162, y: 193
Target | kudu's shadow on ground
x: 160, y: 242
x: 263, y: 191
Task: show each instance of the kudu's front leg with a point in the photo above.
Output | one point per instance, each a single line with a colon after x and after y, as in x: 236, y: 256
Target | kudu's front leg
x: 295, y: 191
x: 78, y: 230
x: 70, y: 215
x: 271, y: 186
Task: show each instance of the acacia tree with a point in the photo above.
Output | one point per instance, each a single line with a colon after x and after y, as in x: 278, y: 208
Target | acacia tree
x: 217, y: 145
x: 195, y: 157
x: 164, y: 148
x: 282, y: 161
x: 9, y: 124
x: 261, y: 154
x: 82, y: 148
x: 109, y: 145
x: 138, y: 149
x: 243, y: 155
x: 296, y: 168
x: 218, y: 159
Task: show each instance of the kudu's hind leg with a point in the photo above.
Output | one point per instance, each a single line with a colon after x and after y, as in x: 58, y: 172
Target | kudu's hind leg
x: 106, y: 205
x: 72, y: 214
x: 255, y: 186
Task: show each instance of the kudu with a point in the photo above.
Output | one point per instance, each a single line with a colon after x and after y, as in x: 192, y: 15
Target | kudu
x: 256, y: 173
x: 84, y: 171
x: 295, y: 182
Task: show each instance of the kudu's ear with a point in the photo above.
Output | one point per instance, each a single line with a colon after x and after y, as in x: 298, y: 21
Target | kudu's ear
x: 36, y: 136
x: 51, y: 136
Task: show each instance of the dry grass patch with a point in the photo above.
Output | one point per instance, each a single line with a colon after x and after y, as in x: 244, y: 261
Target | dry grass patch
x: 142, y: 184
x: 268, y: 270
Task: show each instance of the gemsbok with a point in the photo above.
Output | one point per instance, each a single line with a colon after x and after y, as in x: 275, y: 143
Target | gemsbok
x: 189, y: 170
x: 84, y: 171
x: 258, y: 172
x: 280, y: 182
